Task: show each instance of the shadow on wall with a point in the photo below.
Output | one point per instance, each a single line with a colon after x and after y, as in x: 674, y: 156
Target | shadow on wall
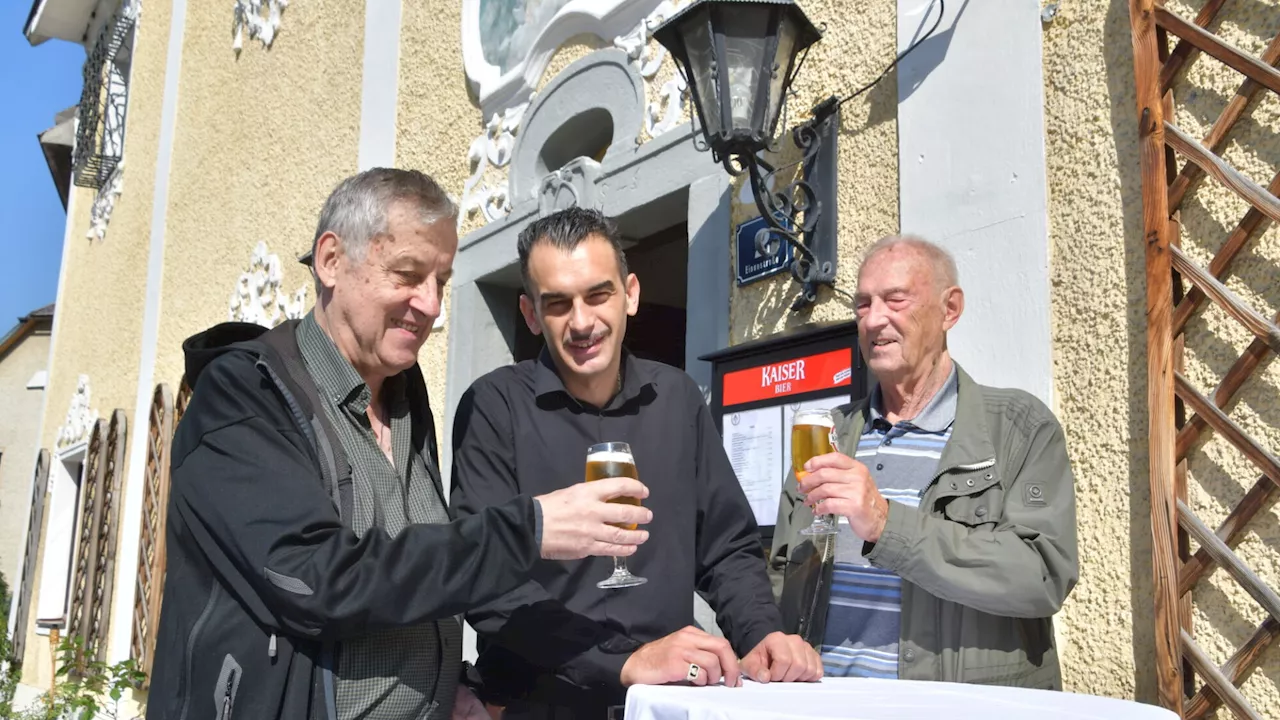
x: 1124, y: 126
x: 1209, y: 214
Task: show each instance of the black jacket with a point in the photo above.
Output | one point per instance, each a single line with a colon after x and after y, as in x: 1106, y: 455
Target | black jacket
x: 265, y: 578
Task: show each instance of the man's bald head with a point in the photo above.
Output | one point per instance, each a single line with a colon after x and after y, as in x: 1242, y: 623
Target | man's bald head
x: 939, y: 262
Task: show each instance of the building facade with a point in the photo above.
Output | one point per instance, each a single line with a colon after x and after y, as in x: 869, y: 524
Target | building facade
x: 24, y: 358
x: 1009, y: 136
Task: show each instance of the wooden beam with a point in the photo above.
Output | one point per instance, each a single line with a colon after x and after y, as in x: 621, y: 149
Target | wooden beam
x: 1230, y: 532
x: 1184, y: 51
x: 1226, y: 427
x: 1221, y: 263
x: 1230, y: 55
x: 1262, y: 328
x: 1216, y: 680
x: 1235, y: 378
x: 1258, y: 590
x: 1223, y: 125
x: 1159, y: 311
x: 1236, y: 181
x: 1236, y: 670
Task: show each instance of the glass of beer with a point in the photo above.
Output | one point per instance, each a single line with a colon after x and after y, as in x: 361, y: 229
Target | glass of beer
x: 812, y: 434
x: 607, y: 460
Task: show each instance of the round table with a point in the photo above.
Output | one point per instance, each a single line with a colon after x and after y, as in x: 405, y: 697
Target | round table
x: 865, y: 699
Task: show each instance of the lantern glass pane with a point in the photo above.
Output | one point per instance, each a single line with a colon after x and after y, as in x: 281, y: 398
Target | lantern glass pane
x: 782, y: 61
x: 702, y: 69
x: 745, y: 40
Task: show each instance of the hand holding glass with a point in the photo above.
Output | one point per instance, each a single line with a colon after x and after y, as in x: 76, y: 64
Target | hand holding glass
x: 607, y: 460
x: 811, y: 436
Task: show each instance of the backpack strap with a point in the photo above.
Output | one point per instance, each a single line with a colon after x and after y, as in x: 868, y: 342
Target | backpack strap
x: 281, y: 344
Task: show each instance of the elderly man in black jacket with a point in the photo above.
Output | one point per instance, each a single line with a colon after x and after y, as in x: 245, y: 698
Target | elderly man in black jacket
x: 313, y: 571
x: 560, y: 646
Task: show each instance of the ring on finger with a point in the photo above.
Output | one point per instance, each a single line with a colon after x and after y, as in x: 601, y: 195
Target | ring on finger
x: 694, y: 670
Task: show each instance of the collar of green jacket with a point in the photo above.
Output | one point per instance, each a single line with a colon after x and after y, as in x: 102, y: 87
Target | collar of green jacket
x: 970, y: 443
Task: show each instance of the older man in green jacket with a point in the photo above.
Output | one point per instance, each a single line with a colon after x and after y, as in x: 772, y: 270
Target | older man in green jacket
x: 956, y: 507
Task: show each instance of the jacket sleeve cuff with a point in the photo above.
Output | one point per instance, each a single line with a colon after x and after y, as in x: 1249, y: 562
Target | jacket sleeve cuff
x: 602, y: 669
x: 897, y: 538
x: 537, y: 525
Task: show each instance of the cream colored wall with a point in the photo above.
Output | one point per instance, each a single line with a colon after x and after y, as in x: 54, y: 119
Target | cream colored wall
x: 19, y: 434
x: 261, y: 139
x: 860, y: 40
x: 1100, y: 347
x: 436, y: 122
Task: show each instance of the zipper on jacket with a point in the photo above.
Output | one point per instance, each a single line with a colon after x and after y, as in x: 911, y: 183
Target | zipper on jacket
x: 271, y: 647
x: 226, y: 696
x: 190, y: 649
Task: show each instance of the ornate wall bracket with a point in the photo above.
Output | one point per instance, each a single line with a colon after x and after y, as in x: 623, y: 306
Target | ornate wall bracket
x: 104, y: 202
x: 260, y: 297
x: 249, y: 15
x: 80, y: 418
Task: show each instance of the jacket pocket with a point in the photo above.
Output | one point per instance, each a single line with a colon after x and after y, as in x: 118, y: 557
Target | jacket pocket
x: 225, y: 689
x: 983, y: 505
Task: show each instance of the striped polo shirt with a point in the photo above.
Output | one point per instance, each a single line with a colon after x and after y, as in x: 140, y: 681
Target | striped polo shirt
x: 863, y: 618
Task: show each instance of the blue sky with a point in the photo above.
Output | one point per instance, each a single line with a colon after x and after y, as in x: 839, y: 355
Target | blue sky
x: 39, y: 82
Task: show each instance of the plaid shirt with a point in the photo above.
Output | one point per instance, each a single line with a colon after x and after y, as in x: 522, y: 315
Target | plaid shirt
x: 408, y: 673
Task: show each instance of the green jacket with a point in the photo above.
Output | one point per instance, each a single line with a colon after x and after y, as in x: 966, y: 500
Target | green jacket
x: 986, y: 560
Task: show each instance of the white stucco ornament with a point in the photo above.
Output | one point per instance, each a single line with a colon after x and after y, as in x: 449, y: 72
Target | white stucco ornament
x: 260, y: 296
x: 80, y: 418
x: 249, y: 15
x: 492, y: 149
x: 665, y: 113
x: 104, y: 202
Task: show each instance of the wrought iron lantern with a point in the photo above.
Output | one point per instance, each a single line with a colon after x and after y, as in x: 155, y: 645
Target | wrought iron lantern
x: 739, y: 58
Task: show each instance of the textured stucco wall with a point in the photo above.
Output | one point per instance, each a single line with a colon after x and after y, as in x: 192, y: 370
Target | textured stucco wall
x: 1100, y: 346
x: 436, y: 122
x: 261, y: 139
x: 19, y: 433
x: 860, y: 40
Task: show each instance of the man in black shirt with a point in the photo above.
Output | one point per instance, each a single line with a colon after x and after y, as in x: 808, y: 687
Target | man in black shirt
x: 558, y: 646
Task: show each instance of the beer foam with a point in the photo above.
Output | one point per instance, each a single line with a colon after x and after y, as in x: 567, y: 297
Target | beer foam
x: 815, y: 420
x: 611, y: 456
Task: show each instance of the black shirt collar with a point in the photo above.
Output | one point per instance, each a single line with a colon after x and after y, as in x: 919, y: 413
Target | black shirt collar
x: 637, y: 381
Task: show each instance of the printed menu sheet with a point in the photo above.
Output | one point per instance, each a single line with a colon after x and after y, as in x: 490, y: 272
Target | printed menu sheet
x: 753, y: 442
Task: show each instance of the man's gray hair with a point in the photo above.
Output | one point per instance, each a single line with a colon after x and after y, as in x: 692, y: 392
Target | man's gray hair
x: 941, y: 262
x: 356, y: 210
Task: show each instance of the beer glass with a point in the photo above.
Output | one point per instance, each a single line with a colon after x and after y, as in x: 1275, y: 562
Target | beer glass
x: 812, y: 434
x: 606, y: 460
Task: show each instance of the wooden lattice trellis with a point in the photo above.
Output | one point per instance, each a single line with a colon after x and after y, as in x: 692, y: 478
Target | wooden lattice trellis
x: 35, y: 519
x: 97, y: 534
x: 1180, y: 414
x: 151, y: 545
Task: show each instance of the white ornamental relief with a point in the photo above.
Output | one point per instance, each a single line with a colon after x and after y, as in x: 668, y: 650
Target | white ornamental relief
x: 492, y: 149
x: 249, y: 15
x: 104, y: 202
x: 260, y: 296
x: 80, y: 418
x: 665, y: 113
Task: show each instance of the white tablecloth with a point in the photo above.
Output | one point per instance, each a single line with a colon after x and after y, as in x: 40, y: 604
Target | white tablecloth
x: 863, y: 699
